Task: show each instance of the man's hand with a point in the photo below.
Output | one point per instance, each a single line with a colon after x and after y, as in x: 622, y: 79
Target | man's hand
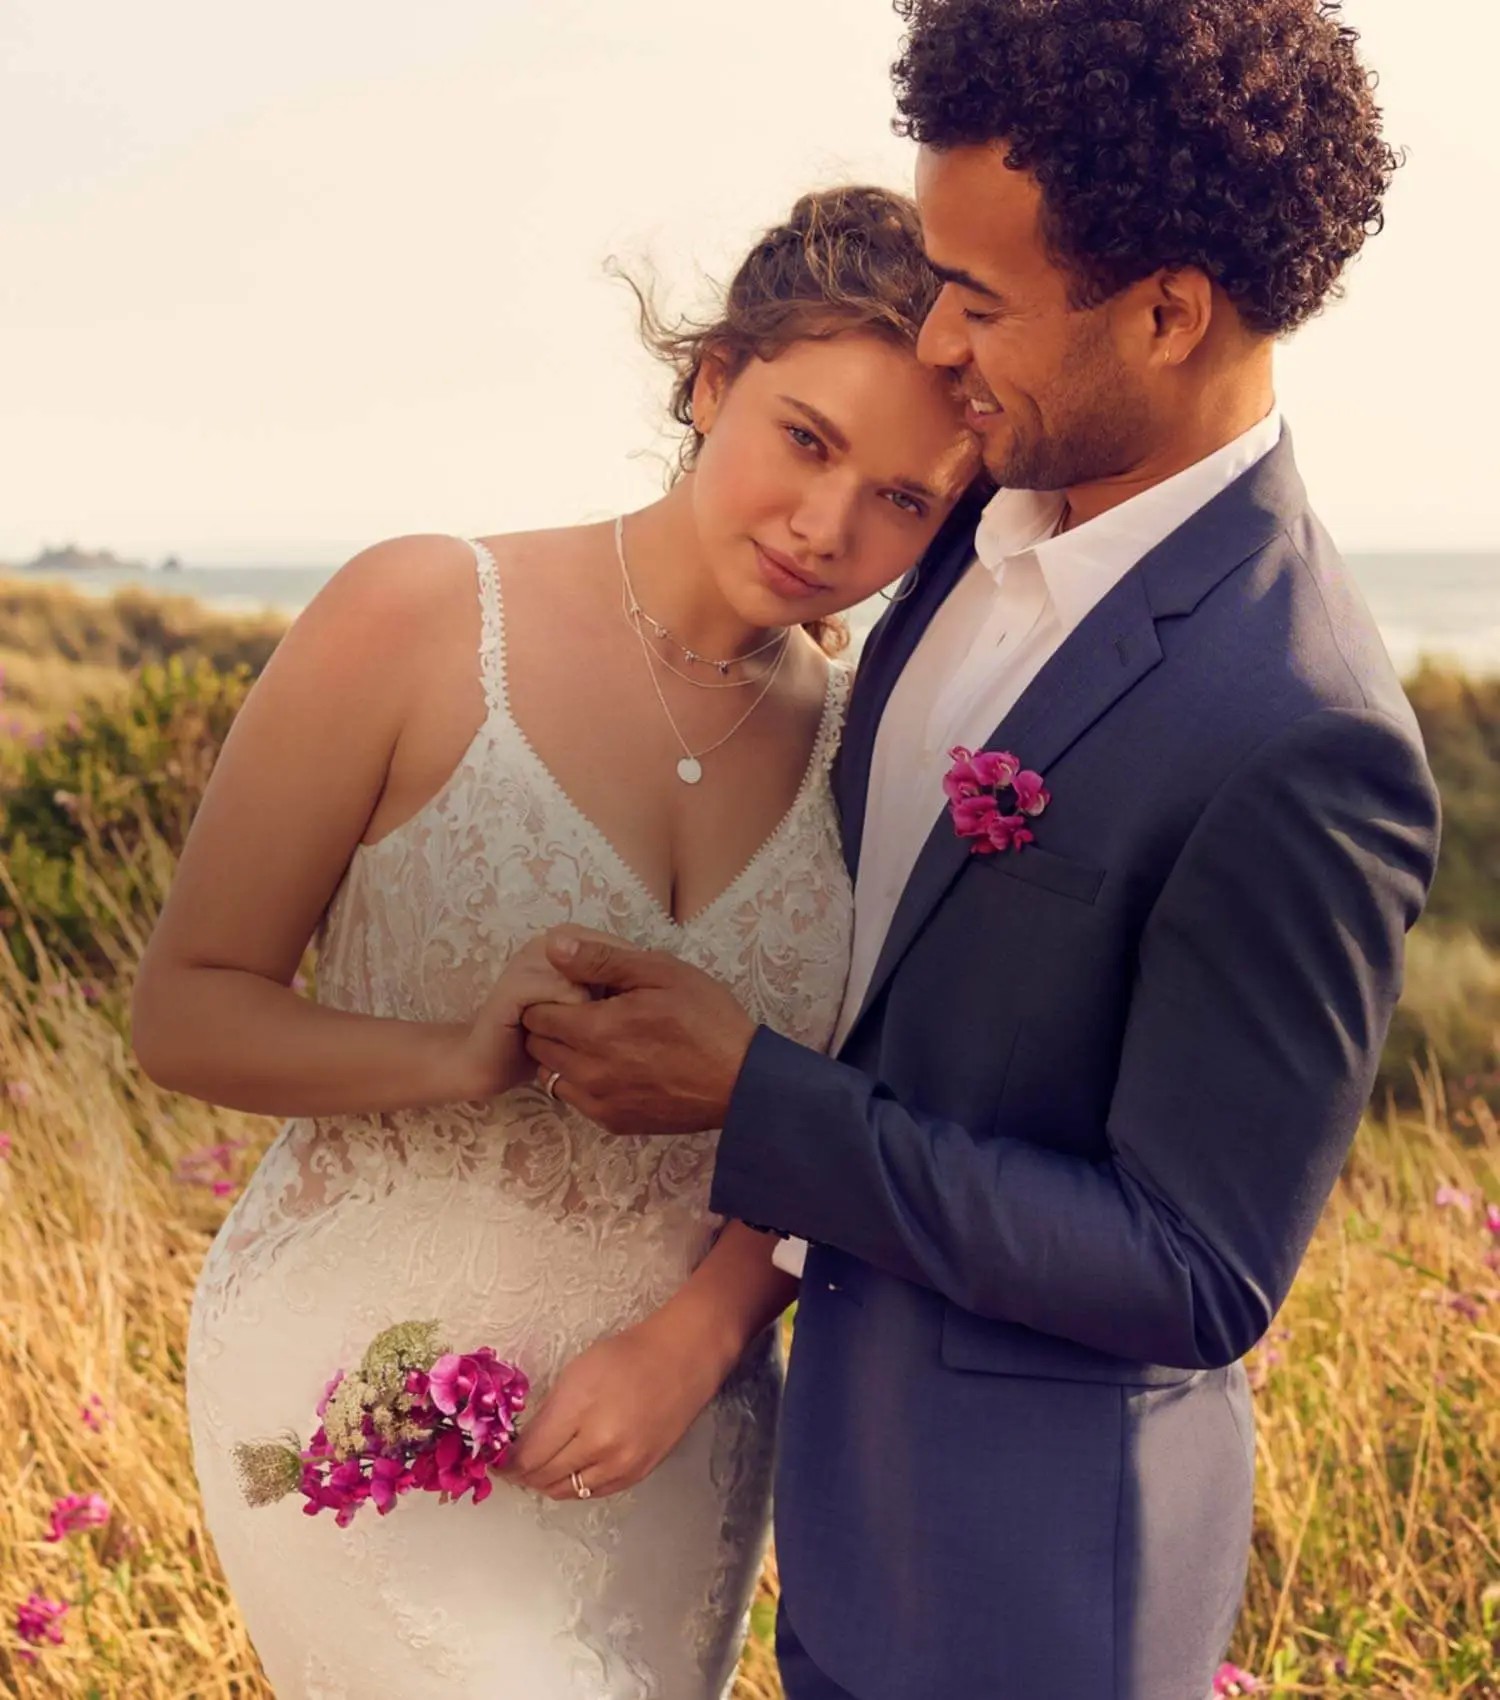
x: 658, y: 1053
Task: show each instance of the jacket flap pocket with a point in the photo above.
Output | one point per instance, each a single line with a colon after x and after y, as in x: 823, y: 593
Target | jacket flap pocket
x: 1005, y: 1348
x: 1042, y: 867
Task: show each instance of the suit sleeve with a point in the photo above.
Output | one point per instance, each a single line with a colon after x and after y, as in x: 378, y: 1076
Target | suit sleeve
x: 1267, y: 975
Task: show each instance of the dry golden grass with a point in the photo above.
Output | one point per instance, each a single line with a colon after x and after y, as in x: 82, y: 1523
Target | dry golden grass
x: 1378, y: 1543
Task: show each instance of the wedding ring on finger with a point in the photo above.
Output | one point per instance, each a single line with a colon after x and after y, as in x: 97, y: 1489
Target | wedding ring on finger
x: 580, y: 1487
x: 549, y: 1085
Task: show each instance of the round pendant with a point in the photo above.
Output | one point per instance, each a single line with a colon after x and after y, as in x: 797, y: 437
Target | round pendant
x: 689, y: 770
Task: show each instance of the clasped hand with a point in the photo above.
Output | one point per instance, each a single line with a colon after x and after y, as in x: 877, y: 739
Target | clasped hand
x: 656, y: 1049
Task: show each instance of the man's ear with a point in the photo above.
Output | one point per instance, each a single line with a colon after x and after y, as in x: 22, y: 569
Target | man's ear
x: 1181, y: 305
x: 709, y: 388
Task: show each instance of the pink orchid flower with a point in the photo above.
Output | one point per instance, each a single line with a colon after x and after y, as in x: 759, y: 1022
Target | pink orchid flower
x: 962, y: 779
x: 1008, y: 832
x: 976, y: 787
x: 1031, y: 796
x: 971, y: 815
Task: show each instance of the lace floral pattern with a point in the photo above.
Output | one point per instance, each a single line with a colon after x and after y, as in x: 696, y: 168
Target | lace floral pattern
x: 518, y: 1223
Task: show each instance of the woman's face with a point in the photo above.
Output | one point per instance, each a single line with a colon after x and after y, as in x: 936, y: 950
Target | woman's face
x: 824, y: 474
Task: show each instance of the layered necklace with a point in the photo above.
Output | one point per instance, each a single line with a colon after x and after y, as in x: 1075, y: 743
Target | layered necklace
x: 690, y: 767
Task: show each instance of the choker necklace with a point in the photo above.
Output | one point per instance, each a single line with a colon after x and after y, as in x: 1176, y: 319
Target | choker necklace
x: 635, y: 613
x: 690, y: 768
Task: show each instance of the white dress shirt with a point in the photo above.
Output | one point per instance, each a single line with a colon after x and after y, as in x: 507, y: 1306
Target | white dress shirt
x: 1021, y: 596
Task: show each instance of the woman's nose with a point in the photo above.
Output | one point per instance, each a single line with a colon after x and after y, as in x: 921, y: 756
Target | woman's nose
x: 825, y: 520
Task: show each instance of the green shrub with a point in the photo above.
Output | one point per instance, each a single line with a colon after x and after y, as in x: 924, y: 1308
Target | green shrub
x: 94, y: 818
x: 1460, y: 720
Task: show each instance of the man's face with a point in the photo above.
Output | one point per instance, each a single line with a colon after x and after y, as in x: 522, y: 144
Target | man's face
x: 1053, y: 403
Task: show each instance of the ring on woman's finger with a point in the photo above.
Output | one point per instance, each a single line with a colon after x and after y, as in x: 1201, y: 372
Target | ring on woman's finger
x: 549, y: 1085
x: 580, y: 1487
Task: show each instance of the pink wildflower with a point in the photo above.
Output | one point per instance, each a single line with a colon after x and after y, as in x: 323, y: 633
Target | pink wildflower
x: 1466, y: 1304
x: 198, y: 1167
x: 20, y: 1091
x: 76, y: 1511
x: 1492, y: 1219
x: 93, y: 1414
x: 38, y: 1620
x: 1231, y: 1680
x: 5, y: 1145
x: 1453, y: 1198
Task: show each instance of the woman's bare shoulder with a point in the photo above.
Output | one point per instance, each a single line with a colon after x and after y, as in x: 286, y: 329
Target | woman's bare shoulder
x: 549, y: 547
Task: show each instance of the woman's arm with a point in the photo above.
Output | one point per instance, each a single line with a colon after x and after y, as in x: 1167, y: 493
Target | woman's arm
x: 620, y: 1407
x: 727, y: 1301
x: 291, y: 796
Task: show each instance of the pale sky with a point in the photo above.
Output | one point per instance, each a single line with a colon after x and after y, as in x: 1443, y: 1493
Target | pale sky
x: 279, y: 280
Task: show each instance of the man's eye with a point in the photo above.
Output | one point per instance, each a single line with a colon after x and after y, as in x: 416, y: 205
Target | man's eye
x: 977, y: 318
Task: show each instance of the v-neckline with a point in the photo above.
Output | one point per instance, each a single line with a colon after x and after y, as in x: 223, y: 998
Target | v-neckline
x: 662, y: 913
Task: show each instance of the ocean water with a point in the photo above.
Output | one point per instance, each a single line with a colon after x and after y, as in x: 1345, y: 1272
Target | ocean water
x: 1443, y: 605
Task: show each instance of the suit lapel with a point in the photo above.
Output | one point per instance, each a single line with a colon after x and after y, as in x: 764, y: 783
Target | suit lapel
x: 887, y: 650
x: 1112, y: 649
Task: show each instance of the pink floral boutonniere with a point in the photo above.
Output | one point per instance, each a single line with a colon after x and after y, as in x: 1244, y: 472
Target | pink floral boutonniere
x: 991, y: 797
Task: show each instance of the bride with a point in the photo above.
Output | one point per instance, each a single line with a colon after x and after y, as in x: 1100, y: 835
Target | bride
x: 457, y: 746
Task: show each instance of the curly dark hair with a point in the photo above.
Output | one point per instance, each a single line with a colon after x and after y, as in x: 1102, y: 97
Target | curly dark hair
x: 1238, y: 136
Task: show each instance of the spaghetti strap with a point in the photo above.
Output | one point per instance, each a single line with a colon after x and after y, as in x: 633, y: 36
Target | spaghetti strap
x: 491, y: 628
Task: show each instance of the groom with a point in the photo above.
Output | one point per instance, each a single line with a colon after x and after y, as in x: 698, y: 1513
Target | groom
x: 1091, y: 1088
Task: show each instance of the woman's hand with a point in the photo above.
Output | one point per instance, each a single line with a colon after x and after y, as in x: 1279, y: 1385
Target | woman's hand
x: 618, y: 1409
x: 492, y: 1049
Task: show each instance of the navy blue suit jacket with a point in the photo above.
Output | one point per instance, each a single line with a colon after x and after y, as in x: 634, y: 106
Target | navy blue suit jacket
x: 1063, y: 1170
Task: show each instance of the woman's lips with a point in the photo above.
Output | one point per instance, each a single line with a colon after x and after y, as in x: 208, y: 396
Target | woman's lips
x: 783, y: 577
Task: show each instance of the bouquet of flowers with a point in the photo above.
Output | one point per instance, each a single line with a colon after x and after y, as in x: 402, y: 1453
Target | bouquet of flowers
x: 413, y: 1415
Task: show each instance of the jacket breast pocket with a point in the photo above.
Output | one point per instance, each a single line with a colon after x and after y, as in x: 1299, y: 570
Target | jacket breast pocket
x: 971, y: 1342
x: 1033, y: 865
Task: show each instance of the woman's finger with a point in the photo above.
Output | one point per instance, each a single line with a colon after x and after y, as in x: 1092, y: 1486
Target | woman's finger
x: 544, y: 1435
x: 580, y: 1455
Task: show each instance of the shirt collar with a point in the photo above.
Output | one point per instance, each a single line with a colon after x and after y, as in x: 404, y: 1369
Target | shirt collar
x: 1083, y: 565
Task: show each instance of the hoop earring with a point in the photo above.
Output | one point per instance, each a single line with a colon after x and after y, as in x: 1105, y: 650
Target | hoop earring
x: 901, y: 596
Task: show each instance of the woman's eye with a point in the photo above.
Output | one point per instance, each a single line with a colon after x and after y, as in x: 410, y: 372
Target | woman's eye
x: 908, y: 504
x: 803, y: 438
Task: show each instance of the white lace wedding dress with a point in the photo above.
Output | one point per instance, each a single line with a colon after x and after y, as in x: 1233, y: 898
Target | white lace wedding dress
x: 518, y: 1225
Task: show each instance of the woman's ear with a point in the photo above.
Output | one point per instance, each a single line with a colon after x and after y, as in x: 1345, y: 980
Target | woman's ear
x: 709, y: 388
